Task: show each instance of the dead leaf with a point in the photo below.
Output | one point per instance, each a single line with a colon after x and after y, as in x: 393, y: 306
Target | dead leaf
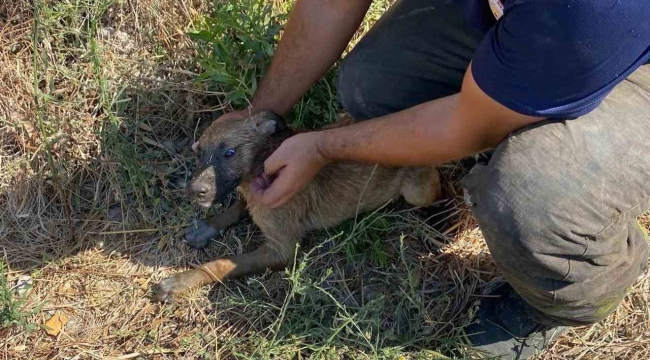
x: 142, y: 283
x: 66, y: 288
x: 163, y: 242
x: 144, y: 127
x: 152, y: 142
x: 31, y: 134
x: 55, y: 324
x: 20, y: 348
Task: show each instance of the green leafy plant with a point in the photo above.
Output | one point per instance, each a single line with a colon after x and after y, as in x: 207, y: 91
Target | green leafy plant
x: 236, y: 44
x: 11, y: 306
x: 366, y: 240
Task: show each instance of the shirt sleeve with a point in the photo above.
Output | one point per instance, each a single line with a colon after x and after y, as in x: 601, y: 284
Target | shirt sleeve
x: 560, y: 58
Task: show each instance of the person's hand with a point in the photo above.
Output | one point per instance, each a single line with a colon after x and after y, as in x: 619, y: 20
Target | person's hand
x: 289, y: 169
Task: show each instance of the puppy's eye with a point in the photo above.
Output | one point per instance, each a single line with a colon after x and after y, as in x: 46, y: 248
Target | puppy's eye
x: 229, y: 153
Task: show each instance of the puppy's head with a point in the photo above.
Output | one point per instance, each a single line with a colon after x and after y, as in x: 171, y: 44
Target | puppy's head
x: 230, y: 151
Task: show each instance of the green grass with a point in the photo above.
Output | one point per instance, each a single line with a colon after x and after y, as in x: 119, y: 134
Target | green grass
x: 236, y: 44
x: 12, y: 309
x: 319, y: 319
x: 94, y: 208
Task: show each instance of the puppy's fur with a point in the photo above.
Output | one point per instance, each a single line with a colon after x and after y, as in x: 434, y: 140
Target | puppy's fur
x: 232, y: 154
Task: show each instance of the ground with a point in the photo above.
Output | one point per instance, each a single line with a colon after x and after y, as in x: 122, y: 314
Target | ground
x: 99, y: 102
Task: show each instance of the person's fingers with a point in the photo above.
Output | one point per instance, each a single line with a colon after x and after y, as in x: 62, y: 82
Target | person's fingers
x: 280, y: 189
x: 289, y: 194
x: 275, y: 162
x: 283, y: 200
x: 235, y: 115
x: 268, y: 179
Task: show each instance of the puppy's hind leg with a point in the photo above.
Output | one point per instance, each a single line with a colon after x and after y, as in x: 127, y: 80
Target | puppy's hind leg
x: 199, y: 236
x: 421, y: 186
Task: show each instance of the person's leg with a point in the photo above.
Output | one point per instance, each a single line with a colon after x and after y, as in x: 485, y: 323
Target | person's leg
x: 418, y: 51
x: 555, y: 205
x: 558, y: 203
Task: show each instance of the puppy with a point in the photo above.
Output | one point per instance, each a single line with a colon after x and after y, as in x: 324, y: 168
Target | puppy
x: 231, y: 155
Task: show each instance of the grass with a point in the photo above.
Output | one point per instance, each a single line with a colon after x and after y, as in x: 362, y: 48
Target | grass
x: 12, y: 313
x: 105, y: 97
x: 236, y: 44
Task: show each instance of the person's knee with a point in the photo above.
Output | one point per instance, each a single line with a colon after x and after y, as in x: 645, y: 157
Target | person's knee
x: 523, y: 238
x: 549, y: 235
x: 513, y: 202
x: 358, y: 87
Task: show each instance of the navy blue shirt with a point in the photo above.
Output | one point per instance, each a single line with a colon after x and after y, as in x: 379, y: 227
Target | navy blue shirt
x: 558, y: 58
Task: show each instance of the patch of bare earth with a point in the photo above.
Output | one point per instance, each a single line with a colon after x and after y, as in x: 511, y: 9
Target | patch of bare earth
x: 98, y: 106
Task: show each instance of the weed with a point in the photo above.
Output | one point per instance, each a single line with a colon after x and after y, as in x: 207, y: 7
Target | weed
x: 236, y: 44
x: 11, y: 305
x: 368, y: 241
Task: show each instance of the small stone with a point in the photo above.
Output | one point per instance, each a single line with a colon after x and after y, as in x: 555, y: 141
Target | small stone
x: 114, y: 213
x: 169, y: 145
x: 122, y: 36
x: 23, y: 285
x: 107, y: 31
x: 164, y: 205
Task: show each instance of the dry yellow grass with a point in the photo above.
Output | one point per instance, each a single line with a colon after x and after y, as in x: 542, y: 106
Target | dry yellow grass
x: 98, y: 104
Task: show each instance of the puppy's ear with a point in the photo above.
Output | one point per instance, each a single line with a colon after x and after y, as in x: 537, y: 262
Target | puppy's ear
x: 268, y: 123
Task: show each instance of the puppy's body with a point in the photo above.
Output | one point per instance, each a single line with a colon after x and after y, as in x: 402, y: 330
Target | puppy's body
x: 339, y: 191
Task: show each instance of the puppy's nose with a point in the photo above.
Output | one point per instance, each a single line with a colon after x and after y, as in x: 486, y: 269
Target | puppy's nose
x: 198, y: 189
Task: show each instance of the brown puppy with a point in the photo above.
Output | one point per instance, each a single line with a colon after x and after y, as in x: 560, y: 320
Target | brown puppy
x: 231, y: 154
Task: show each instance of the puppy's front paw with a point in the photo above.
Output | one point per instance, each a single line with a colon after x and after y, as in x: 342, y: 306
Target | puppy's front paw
x: 164, y: 290
x: 198, y: 237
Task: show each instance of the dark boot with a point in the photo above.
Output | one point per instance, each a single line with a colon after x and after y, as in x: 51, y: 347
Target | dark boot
x: 508, y: 328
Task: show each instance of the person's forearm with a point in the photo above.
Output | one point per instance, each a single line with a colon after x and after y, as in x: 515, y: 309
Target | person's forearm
x: 424, y: 134
x: 428, y: 134
x: 316, y: 35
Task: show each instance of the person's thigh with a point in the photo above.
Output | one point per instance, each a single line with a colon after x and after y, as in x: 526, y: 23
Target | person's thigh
x: 418, y: 51
x: 558, y: 203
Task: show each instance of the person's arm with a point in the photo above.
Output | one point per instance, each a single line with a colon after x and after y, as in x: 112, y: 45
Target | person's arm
x: 428, y: 134
x: 315, y: 36
x: 432, y: 133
